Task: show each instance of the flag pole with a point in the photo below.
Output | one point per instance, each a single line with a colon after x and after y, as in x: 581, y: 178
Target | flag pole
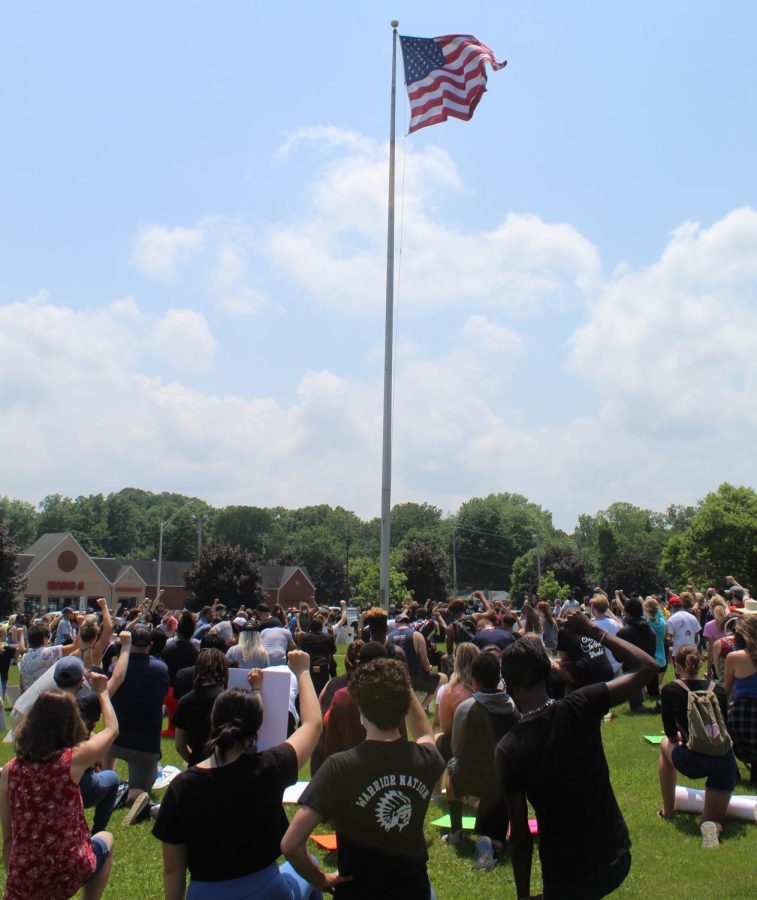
x: 386, y: 461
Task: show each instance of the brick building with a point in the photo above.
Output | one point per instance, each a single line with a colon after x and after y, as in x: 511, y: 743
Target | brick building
x: 60, y: 573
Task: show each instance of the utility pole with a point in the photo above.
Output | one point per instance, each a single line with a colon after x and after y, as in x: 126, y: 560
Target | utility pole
x: 200, y: 518
x: 538, y: 558
x: 347, y: 576
x: 454, y: 562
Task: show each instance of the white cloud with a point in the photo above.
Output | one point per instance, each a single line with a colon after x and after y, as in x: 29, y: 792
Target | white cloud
x: 673, y: 347
x: 158, y: 250
x: 325, y: 136
x: 182, y: 337
x: 229, y: 282
x: 338, y: 251
x: 497, y: 339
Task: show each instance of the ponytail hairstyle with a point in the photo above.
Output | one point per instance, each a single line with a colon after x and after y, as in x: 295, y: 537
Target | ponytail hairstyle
x: 718, y: 608
x: 236, y: 719
x: 688, y: 661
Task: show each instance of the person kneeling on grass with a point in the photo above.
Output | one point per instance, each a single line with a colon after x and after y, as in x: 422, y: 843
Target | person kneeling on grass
x: 479, y: 724
x: 721, y: 771
x: 583, y: 840
x: 223, y: 819
x: 47, y: 848
x: 376, y: 795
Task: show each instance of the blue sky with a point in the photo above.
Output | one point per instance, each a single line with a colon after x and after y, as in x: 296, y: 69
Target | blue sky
x: 191, y: 255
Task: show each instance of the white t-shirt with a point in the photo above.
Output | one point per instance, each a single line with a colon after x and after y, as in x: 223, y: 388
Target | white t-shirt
x: 569, y: 604
x: 683, y: 628
x: 611, y: 627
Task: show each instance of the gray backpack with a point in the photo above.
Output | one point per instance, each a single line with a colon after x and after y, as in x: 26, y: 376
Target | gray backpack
x: 707, y: 732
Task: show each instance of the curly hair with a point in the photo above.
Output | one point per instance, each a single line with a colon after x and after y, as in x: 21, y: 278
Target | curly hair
x: 351, y: 656
x: 51, y: 725
x: 381, y: 691
x: 211, y: 668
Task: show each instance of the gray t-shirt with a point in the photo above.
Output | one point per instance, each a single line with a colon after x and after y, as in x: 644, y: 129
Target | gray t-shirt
x: 277, y: 641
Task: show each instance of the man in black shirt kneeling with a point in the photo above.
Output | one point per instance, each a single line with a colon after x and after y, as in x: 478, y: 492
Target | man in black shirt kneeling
x: 584, y: 845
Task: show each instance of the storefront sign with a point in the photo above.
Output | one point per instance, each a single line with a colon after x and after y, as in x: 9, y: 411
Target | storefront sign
x: 65, y: 585
x: 128, y: 590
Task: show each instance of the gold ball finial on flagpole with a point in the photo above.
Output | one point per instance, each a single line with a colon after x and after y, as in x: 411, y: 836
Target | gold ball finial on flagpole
x: 395, y: 23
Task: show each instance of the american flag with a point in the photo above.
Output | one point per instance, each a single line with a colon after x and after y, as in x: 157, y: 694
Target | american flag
x: 445, y: 76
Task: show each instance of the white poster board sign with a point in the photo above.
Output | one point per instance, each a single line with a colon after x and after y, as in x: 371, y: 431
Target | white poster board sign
x: 741, y: 806
x: 275, y: 697
x: 45, y: 682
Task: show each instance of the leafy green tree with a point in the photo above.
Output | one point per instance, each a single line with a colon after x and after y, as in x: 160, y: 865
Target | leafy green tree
x: 20, y: 518
x: 11, y: 582
x: 633, y: 572
x: 330, y: 579
x: 523, y: 579
x: 419, y: 522
x: 607, y: 549
x: 425, y: 572
x: 249, y: 527
x: 492, y: 532
x: 720, y: 540
x: 55, y: 515
x: 569, y: 568
x: 550, y: 588
x: 368, y: 589
x: 229, y: 574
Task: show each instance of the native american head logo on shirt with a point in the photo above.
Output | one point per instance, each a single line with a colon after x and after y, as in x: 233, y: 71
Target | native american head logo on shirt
x: 393, y: 810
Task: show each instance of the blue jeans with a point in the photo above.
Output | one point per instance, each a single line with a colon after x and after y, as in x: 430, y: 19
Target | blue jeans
x: 271, y: 883
x: 99, y: 789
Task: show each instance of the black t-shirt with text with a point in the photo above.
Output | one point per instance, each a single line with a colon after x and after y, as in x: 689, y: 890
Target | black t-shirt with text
x: 557, y: 760
x: 230, y: 818
x: 589, y: 661
x: 377, y: 795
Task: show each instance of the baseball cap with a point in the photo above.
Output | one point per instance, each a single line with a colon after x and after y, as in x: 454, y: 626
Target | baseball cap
x: 675, y: 600
x: 68, y: 671
x: 140, y: 636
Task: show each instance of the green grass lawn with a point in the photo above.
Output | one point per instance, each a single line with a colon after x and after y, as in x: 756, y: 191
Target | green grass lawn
x: 667, y: 856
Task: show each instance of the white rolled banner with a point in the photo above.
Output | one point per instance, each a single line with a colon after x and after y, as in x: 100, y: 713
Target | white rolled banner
x: 742, y: 806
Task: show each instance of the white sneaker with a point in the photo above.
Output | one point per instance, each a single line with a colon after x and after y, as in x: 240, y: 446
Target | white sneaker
x: 709, y: 835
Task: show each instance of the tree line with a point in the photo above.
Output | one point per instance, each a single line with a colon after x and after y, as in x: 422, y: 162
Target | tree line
x: 501, y: 542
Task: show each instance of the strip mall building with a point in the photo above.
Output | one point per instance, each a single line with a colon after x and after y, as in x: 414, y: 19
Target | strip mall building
x: 59, y: 572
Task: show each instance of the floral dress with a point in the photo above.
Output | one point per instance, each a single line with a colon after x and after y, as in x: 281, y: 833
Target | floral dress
x: 51, y: 854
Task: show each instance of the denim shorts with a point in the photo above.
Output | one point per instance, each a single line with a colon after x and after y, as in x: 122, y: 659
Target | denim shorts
x: 101, y: 850
x: 721, y: 772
